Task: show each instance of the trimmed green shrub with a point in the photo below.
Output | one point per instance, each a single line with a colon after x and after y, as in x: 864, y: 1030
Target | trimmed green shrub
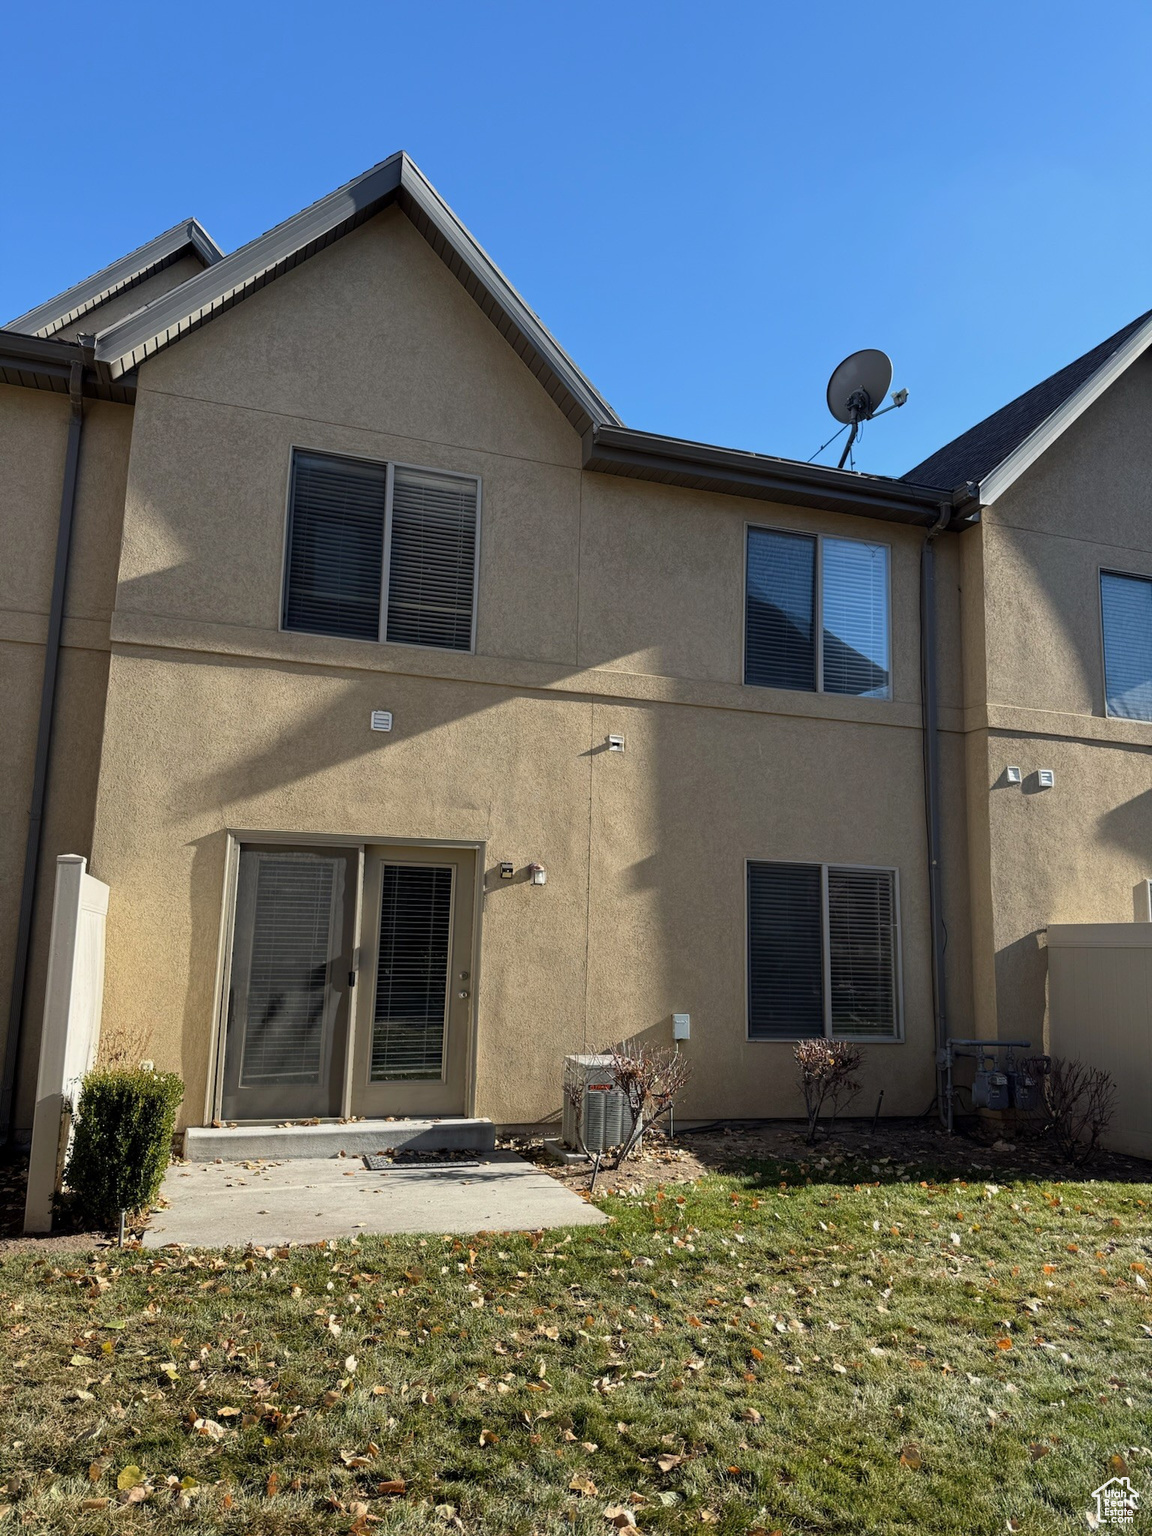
x: 123, y: 1140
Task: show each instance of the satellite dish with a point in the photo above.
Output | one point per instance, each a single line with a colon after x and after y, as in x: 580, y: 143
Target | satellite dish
x: 858, y: 386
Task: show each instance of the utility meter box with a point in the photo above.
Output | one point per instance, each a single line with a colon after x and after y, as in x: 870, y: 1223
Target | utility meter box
x: 990, y: 1089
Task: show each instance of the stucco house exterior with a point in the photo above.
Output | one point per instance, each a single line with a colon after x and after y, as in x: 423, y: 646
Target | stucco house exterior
x: 427, y: 724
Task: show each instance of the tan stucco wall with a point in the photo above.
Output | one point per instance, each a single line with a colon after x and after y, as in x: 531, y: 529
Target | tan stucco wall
x: 1072, y: 853
x: 604, y: 606
x: 33, y: 438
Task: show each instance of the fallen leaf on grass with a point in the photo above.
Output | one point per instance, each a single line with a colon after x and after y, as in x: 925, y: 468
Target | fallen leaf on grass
x: 1118, y: 1466
x: 95, y: 1503
x: 582, y: 1484
x: 489, y: 1437
x: 1003, y: 1343
x: 209, y: 1428
x: 619, y: 1516
x: 668, y: 1463
x: 1038, y: 1450
x: 130, y: 1476
x: 911, y: 1458
x: 272, y: 1485
x: 391, y: 1485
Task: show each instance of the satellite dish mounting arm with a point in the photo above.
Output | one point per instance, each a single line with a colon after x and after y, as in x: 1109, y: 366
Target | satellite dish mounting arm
x: 860, y: 409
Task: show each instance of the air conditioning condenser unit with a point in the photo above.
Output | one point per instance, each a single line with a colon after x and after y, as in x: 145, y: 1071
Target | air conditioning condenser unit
x: 591, y: 1093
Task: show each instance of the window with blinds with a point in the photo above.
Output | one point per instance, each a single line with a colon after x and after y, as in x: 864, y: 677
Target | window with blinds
x: 823, y: 952
x: 1126, y: 610
x: 411, y: 1007
x: 381, y: 552
x: 816, y: 614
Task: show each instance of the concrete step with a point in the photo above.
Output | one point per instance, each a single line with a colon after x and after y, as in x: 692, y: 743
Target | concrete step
x: 233, y: 1143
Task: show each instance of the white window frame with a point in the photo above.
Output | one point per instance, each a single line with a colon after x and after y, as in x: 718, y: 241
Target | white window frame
x: 1101, y: 572
x: 819, y: 538
x: 897, y: 1037
x: 390, y: 467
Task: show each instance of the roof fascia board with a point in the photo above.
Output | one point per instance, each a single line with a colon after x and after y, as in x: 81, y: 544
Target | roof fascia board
x: 1022, y: 458
x: 730, y: 471
x: 32, y: 362
x: 79, y: 300
x: 126, y: 344
x: 130, y: 341
x: 416, y: 187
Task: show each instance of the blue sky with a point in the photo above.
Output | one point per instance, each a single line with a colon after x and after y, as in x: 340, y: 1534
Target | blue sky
x: 709, y: 205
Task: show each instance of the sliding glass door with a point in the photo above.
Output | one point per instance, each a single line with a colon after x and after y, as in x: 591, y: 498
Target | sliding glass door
x: 326, y: 1017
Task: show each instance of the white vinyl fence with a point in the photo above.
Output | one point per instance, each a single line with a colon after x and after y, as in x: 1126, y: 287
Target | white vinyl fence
x: 71, y: 1030
x: 1100, y: 1011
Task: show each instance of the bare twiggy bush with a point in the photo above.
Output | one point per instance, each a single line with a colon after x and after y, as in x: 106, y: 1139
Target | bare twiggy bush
x: 1079, y: 1101
x: 827, y: 1076
x: 649, y: 1077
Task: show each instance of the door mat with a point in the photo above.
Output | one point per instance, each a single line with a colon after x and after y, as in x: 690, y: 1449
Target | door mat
x: 388, y: 1162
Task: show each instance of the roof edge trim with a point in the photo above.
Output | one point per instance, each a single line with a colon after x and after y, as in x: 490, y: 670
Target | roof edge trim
x: 1009, y: 470
x: 75, y: 302
x: 126, y: 344
x: 737, y: 472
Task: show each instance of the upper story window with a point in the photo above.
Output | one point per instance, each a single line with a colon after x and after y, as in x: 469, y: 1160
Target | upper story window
x: 823, y: 952
x: 816, y: 614
x: 1126, y: 608
x: 381, y: 552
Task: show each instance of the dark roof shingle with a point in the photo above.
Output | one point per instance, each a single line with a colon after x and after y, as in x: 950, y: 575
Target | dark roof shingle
x: 976, y: 453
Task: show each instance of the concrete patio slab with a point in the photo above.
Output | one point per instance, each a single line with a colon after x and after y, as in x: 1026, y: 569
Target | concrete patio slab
x: 305, y: 1200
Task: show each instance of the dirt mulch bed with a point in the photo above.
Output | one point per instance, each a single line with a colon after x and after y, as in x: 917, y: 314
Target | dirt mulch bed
x: 65, y: 1239
x: 890, y: 1149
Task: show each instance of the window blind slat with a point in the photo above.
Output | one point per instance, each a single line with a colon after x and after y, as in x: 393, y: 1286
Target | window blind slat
x: 780, y: 610
x: 432, y: 561
x: 854, y: 607
x: 410, y: 1011
x: 785, y: 952
x: 335, y: 546
x: 1126, y: 603
x: 862, y: 952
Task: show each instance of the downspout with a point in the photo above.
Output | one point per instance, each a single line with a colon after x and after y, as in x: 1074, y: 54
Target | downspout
x: 931, y: 742
x: 43, y: 748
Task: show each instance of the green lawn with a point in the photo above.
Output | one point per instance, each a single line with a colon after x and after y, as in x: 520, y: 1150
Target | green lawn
x: 755, y: 1352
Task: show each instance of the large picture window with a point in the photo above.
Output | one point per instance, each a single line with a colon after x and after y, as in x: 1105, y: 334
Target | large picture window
x: 823, y: 952
x: 1126, y: 610
x: 381, y: 552
x: 816, y: 614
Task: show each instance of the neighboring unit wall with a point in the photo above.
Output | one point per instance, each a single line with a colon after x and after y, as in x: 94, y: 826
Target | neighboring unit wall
x: 1072, y: 853
x: 33, y: 438
x: 604, y: 606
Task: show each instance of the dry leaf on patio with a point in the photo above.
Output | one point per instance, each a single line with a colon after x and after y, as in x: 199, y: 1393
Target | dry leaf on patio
x: 911, y: 1458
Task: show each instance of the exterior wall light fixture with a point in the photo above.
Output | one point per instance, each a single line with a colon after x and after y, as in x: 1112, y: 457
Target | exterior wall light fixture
x: 1012, y: 775
x: 1046, y: 778
x: 538, y: 873
x: 615, y: 743
x: 507, y: 869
